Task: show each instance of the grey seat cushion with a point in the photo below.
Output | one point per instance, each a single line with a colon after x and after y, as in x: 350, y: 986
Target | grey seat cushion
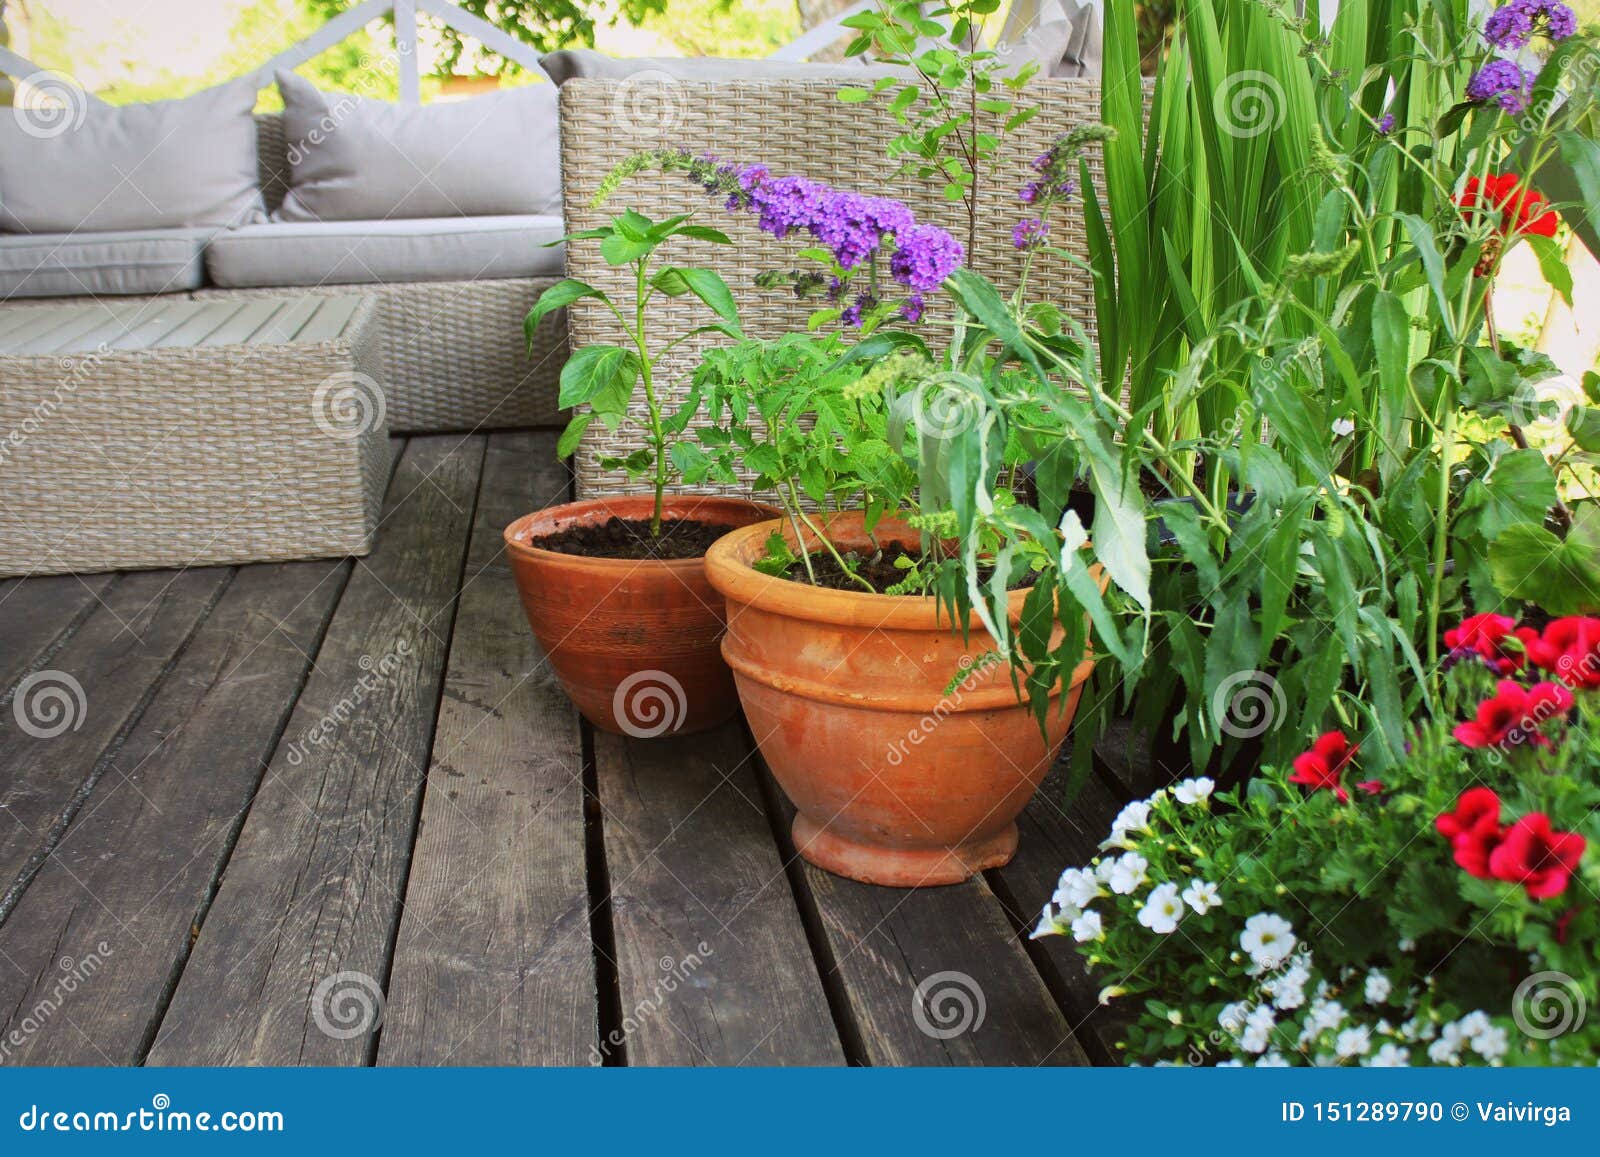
x: 369, y: 252
x: 352, y: 158
x: 101, y: 264
x: 584, y: 63
x: 166, y: 165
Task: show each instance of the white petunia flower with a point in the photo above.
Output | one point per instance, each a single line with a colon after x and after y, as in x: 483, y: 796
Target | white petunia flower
x: 1202, y: 896
x: 1323, y: 1016
x: 1390, y: 1056
x: 1088, y: 927
x: 1104, y: 868
x: 1343, y: 427
x: 1377, y: 988
x: 1353, y: 1042
x: 1268, y: 938
x: 1491, y: 1043
x: 1232, y: 1017
x: 1288, y: 990
x: 1272, y: 1061
x: 1163, y: 910
x: 1129, y: 871
x: 1230, y: 1064
x: 1077, y: 887
x: 1447, y: 1049
x: 1133, y: 818
x: 1047, y: 925
x: 1257, y: 1030
x: 1193, y: 791
x: 1407, y: 944
x: 1474, y: 1024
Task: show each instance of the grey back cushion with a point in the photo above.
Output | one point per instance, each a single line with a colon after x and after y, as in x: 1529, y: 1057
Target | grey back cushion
x: 584, y: 63
x: 168, y: 164
x: 352, y: 158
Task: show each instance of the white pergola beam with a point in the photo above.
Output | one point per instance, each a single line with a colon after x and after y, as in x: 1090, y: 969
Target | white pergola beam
x: 335, y: 31
x: 22, y: 68
x: 405, y: 43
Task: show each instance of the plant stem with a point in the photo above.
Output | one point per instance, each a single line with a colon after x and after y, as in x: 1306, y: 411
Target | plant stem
x: 658, y: 437
x: 1441, y: 534
x: 794, y: 494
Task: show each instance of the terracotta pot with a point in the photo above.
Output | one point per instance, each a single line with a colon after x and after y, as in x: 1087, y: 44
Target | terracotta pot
x: 896, y: 782
x: 634, y: 642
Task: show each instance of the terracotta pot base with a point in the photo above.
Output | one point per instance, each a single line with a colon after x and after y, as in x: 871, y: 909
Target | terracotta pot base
x: 901, y: 867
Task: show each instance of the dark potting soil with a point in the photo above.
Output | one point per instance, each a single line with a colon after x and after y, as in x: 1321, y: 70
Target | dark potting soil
x: 880, y: 571
x: 630, y: 538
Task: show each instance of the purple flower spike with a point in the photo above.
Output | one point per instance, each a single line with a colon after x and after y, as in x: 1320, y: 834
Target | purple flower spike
x: 924, y: 256
x: 852, y: 313
x: 1513, y: 25
x: 1386, y: 125
x: 1029, y: 233
x: 1504, y: 82
x: 911, y: 309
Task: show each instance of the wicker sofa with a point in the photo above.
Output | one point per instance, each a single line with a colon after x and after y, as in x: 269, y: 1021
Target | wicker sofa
x: 454, y: 352
x: 792, y: 126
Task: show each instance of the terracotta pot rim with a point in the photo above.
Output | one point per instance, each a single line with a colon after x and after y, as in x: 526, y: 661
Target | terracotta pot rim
x: 728, y: 566
x: 680, y: 505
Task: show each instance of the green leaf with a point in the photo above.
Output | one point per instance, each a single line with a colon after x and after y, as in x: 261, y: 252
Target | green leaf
x: 1552, y: 257
x: 558, y: 296
x: 570, y: 437
x: 704, y: 233
x: 596, y: 368
x: 670, y: 282
x: 1530, y: 563
x: 620, y: 249
x: 855, y: 95
x: 711, y: 289
x: 1579, y: 166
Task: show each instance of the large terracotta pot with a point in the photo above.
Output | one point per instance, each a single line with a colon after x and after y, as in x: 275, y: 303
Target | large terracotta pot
x: 895, y: 781
x: 634, y: 642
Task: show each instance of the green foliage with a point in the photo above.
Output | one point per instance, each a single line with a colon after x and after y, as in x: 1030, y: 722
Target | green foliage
x: 600, y: 381
x: 964, y: 98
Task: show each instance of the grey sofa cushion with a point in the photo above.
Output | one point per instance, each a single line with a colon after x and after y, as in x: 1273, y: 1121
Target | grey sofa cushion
x: 370, y: 252
x: 1062, y: 36
x: 356, y: 159
x: 169, y: 164
x: 585, y: 63
x: 101, y: 264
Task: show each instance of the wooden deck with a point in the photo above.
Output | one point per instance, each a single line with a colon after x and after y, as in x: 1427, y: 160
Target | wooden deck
x: 340, y: 813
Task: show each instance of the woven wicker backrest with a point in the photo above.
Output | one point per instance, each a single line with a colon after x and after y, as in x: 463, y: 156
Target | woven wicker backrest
x: 272, y: 160
x: 792, y: 126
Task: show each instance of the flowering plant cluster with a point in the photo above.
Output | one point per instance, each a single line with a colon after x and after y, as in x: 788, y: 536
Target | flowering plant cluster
x: 1446, y: 915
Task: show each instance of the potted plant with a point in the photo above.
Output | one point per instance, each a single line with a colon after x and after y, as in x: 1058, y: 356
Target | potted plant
x: 885, y: 708
x: 615, y: 587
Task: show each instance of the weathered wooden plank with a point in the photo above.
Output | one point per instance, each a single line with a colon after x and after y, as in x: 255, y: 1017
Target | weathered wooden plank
x: 494, y: 964
x: 301, y: 927
x: 711, y: 954
x: 78, y: 706
x: 35, y: 616
x: 935, y: 976
x: 1057, y: 835
x: 90, y: 951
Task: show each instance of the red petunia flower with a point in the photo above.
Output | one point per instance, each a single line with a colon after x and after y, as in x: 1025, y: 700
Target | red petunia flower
x: 1473, y: 830
x: 1485, y: 636
x: 1515, y: 715
x: 1539, y: 859
x: 1570, y: 650
x: 1521, y: 210
x: 1322, y: 768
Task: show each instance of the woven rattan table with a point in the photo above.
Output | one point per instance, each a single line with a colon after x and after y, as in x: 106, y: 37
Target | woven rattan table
x: 174, y: 433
